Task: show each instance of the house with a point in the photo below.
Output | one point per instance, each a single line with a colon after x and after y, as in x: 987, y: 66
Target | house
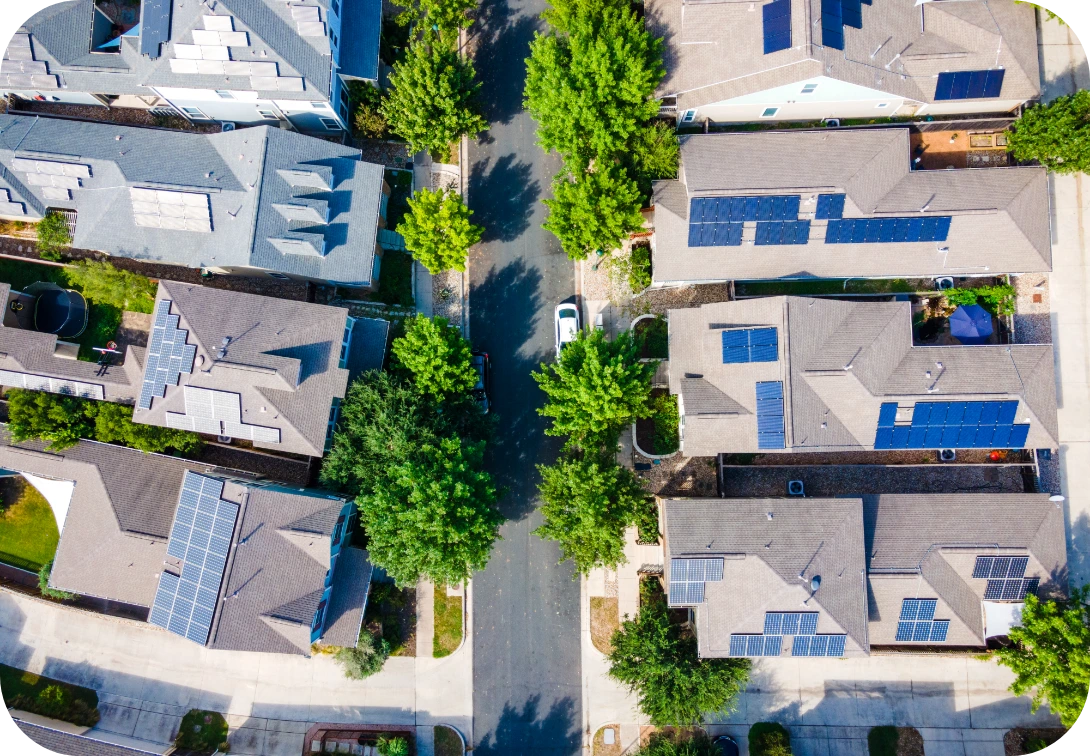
x: 805, y: 60
x: 844, y: 576
x: 256, y: 202
x: 239, y: 61
x: 797, y: 374
x: 85, y: 744
x: 841, y: 203
x: 271, y: 371
x: 211, y: 554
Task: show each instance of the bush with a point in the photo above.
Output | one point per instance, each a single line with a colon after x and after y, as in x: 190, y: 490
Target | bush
x: 367, y: 658
x: 769, y: 739
x: 436, y: 355
x: 655, y: 336
x: 202, y: 731
x: 53, y: 236
x: 681, y: 743
x: 639, y: 273
x: 43, y: 585
x: 998, y: 300
x: 1057, y: 135
x: 882, y: 741
x: 102, y: 283
x: 392, y: 746
x: 57, y: 702
x: 365, y: 106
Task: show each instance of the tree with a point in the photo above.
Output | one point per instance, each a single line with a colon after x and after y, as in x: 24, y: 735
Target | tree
x: 679, y: 743
x: 432, y: 102
x: 114, y: 425
x: 1057, y: 135
x: 434, y: 515
x: 595, y: 388
x: 657, y: 660
x: 102, y: 283
x: 58, y: 419
x: 1050, y: 653
x: 590, y: 82
x: 437, y: 230
x: 53, y: 236
x: 439, y: 18
x: 436, y: 355
x: 654, y: 154
x: 594, y: 210
x: 589, y: 501
x: 367, y: 658
x: 365, y: 105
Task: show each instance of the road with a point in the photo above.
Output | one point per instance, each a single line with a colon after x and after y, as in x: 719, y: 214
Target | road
x: 526, y: 677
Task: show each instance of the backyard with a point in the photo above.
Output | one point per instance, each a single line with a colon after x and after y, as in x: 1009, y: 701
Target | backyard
x: 28, y: 530
x: 48, y: 697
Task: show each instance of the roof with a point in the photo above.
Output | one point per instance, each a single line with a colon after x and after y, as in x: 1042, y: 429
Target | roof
x: 714, y: 51
x: 999, y: 216
x: 925, y: 546
x: 261, y: 192
x: 763, y: 558
x: 276, y: 578
x: 28, y: 358
x: 368, y: 348
x: 291, y: 65
x: 281, y: 364
x: 839, y: 362
x: 71, y: 744
x: 361, y: 27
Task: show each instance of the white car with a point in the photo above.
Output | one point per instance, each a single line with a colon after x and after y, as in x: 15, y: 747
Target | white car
x: 566, y: 324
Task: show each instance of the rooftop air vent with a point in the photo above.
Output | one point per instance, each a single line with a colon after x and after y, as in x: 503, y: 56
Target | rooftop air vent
x: 795, y: 488
x: 948, y: 455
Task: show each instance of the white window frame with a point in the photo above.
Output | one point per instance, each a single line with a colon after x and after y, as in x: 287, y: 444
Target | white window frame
x: 224, y: 94
x: 689, y: 117
x: 882, y: 105
x: 194, y: 113
x: 809, y: 88
x: 326, y: 121
x: 766, y: 114
x: 268, y: 114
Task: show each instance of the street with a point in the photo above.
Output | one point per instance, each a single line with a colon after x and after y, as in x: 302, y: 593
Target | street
x: 526, y: 676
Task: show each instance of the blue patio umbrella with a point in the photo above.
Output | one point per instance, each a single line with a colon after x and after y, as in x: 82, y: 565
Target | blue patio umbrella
x: 971, y: 324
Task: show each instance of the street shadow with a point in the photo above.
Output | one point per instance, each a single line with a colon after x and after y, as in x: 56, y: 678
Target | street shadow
x: 502, y: 46
x: 525, y: 731
x: 12, y: 619
x: 511, y: 193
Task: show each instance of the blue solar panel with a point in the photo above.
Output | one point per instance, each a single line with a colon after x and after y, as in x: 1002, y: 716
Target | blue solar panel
x: 800, y: 646
x: 773, y: 645
x: 773, y: 623
x: 883, y: 439
x: 738, y: 645
x: 808, y: 623
x: 791, y: 623
x: 852, y: 13
x: 836, y: 645
x: 167, y: 356
x: 969, y: 85
x: 154, y: 26
x: 886, y: 230
x: 909, y: 609
x: 887, y: 414
x: 755, y: 645
x: 751, y: 209
x: 926, y: 610
x: 900, y: 437
x: 818, y: 645
x: 777, y: 26
x: 994, y: 84
x: 917, y: 436
x: 750, y: 345
x: 922, y: 631
x: 1007, y: 412
x: 829, y: 206
x: 904, y: 631
x: 939, y: 629
x: 1019, y: 434
x: 771, y: 433
x: 832, y: 24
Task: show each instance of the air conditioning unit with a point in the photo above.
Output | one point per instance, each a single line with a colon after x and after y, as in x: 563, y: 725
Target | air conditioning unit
x: 945, y: 283
x: 794, y: 488
x: 223, y: 439
x: 227, y: 126
x: 832, y: 122
x: 948, y: 455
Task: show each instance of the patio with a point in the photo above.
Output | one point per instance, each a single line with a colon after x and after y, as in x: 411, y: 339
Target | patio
x: 940, y: 150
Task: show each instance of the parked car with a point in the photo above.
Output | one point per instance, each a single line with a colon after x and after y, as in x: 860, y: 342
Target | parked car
x: 480, y: 363
x: 726, y: 745
x: 566, y: 324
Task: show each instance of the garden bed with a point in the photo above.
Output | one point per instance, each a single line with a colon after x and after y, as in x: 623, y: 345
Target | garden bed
x: 894, y: 741
x: 658, y: 434
x: 447, y: 742
x: 769, y: 738
x: 28, y: 528
x: 600, y: 748
x: 1021, y: 740
x: 448, y: 623
x: 201, y: 732
x: 833, y: 286
x: 391, y: 611
x: 395, y: 282
x: 48, y: 697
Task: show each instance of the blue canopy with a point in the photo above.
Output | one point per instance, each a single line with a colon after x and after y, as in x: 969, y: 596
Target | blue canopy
x: 971, y: 324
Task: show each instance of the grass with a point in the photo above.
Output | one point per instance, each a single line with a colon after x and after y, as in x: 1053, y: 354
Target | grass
x: 667, y: 421
x: 28, y: 691
x: 395, y: 282
x: 28, y: 529
x: 447, y: 742
x: 401, y: 188
x: 604, y: 621
x: 647, y: 522
x: 824, y: 286
x: 391, y: 607
x: 448, y: 623
x: 201, y: 731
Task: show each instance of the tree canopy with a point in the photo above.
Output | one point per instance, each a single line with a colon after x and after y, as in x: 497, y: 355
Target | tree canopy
x: 594, y: 210
x: 1050, y: 653
x: 436, y: 355
x: 53, y: 236
x: 439, y: 18
x: 102, y: 283
x: 1057, y: 135
x: 657, y: 660
x: 589, y: 501
x: 437, y: 230
x: 595, y: 388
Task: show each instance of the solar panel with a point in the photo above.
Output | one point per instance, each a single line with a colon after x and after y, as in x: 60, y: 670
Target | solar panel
x: 808, y: 623
x: 685, y: 593
x: 791, y: 623
x: 922, y: 631
x: 886, y: 230
x: 836, y: 645
x: 800, y: 646
x: 738, y: 645
x: 755, y: 645
x: 832, y: 24
x: 904, y: 631
x: 887, y: 414
x: 1012, y: 590
x: 777, y: 26
x: 926, y: 609
x: 979, y: 425
x: 939, y: 628
x: 852, y: 13
x: 771, y: 432
x: 696, y: 569
x: 909, y: 609
x: 969, y: 85
x: 167, y: 357
x: 983, y: 567
x: 1019, y: 433
x: 1000, y: 565
x: 743, y: 345
x: 994, y: 590
x: 1030, y: 585
x: 818, y: 645
x: 773, y: 623
x: 773, y: 645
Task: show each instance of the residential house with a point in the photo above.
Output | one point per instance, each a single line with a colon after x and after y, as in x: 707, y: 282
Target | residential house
x: 838, y: 204
x: 213, y: 556
x: 797, y: 374
x: 239, y: 61
x: 271, y: 371
x: 805, y: 60
x: 844, y: 576
x: 255, y: 202
x: 86, y: 744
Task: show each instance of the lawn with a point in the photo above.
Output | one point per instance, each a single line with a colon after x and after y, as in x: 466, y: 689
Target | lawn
x: 51, y: 698
x: 395, y: 283
x: 28, y: 530
x: 448, y: 623
x: 401, y: 188
x: 447, y: 742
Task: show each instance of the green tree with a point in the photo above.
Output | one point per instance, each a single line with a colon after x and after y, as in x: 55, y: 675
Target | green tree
x: 58, y: 419
x: 439, y: 18
x: 594, y: 211
x: 434, y: 515
x: 437, y: 230
x: 1057, y: 135
x: 43, y: 585
x: 679, y: 743
x: 367, y: 658
x: 654, y: 154
x: 436, y: 355
x: 432, y: 100
x: 590, y: 82
x: 102, y: 283
x: 595, y: 388
x: 365, y: 106
x: 657, y: 660
x: 1050, y: 653
x: 114, y: 425
x: 53, y: 236
x: 589, y: 501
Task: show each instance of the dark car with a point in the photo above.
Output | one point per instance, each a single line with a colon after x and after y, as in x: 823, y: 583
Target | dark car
x: 726, y: 745
x: 480, y: 363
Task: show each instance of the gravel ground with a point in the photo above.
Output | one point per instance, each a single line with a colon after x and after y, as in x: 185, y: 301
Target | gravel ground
x: 124, y: 116
x: 1032, y: 319
x: 908, y: 457
x: 609, y: 283
x: 451, y: 307
x: 867, y: 479
x: 295, y: 472
x: 1050, y: 473
x: 680, y: 476
x: 390, y: 154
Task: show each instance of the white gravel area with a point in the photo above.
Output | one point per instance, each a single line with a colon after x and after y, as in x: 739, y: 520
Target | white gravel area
x: 1032, y: 318
x: 447, y: 300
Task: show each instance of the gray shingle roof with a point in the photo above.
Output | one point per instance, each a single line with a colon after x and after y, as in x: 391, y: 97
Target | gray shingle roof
x: 74, y: 745
x: 242, y: 175
x: 714, y: 51
x: 764, y: 558
x: 829, y: 406
x: 282, y: 361
x: 1000, y: 216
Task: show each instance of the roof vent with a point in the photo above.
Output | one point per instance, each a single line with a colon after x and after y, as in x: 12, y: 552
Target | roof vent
x: 769, y: 515
x: 948, y: 455
x: 795, y: 488
x: 815, y: 583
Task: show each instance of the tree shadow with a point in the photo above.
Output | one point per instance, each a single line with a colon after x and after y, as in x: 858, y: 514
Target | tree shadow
x: 502, y: 38
x: 511, y: 193
x: 557, y: 732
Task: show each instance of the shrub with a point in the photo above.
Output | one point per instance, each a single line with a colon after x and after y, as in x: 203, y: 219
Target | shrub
x: 53, y: 236
x: 102, y: 283
x: 365, y: 105
x: 998, y: 300
x: 656, y: 338
x: 367, y: 658
x: 43, y: 584
x: 769, y: 739
x: 680, y: 743
x: 667, y: 424
x: 1057, y: 134
x: 639, y: 274
x: 882, y: 741
x: 202, y: 731
x: 392, y: 746
x: 57, y: 702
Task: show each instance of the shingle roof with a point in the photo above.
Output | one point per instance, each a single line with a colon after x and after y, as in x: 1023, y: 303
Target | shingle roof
x: 839, y: 361
x: 1000, y: 216
x: 281, y: 360
x: 74, y: 745
x: 763, y: 561
x: 714, y: 51
x: 361, y: 28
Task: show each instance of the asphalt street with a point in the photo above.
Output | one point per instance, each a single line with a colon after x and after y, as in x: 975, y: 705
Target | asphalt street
x: 526, y: 677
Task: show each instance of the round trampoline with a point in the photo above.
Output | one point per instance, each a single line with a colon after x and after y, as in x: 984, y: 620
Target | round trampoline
x: 59, y: 311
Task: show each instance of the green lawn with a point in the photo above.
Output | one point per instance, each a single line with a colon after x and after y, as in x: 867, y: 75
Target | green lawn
x: 395, y: 282
x: 448, y: 623
x: 401, y: 188
x: 16, y: 682
x: 28, y: 530
x: 48, y: 697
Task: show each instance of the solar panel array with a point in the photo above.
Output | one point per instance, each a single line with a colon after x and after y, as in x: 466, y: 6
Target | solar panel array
x: 782, y: 232
x: 835, y: 15
x: 777, y: 25
x: 180, y: 211
x: 770, y: 423
x: 168, y: 355
x: 818, y: 645
x: 201, y: 539
x: 802, y: 626
x: 791, y: 623
x: 917, y: 622
x: 888, y: 230
x: 219, y: 413
x: 969, y: 85
x: 742, y: 345
x: 53, y: 385
x: 1005, y: 575
x: 1010, y: 590
x: 717, y: 221
x: 952, y: 425
x: 830, y: 206
x: 755, y: 645
x: 687, y: 578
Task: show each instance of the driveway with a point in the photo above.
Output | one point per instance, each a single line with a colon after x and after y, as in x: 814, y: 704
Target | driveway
x: 526, y: 691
